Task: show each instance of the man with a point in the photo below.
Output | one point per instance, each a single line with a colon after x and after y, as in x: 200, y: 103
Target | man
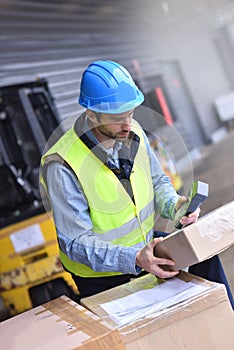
x: 105, y: 186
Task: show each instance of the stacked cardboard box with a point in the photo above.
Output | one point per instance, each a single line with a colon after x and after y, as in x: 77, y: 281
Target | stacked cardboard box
x: 203, y: 322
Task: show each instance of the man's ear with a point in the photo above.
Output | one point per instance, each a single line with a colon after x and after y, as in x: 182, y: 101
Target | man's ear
x: 91, y: 116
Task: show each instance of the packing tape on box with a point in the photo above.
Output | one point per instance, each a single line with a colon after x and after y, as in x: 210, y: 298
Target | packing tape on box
x: 93, y: 333
x: 217, y: 224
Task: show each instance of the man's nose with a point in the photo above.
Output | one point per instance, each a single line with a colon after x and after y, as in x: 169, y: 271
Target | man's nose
x: 127, y: 123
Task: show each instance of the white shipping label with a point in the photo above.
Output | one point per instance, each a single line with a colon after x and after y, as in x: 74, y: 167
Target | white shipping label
x: 27, y: 238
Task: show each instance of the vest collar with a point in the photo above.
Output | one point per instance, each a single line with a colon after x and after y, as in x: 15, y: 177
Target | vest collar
x: 128, y: 148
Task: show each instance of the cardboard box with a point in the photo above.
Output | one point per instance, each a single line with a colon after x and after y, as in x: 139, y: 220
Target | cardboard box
x: 60, y: 324
x: 207, y: 237
x: 203, y: 322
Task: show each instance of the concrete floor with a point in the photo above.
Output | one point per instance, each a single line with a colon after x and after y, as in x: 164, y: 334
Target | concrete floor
x: 216, y: 167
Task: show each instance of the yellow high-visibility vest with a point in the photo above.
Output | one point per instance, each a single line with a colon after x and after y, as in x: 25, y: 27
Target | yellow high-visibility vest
x: 115, y: 217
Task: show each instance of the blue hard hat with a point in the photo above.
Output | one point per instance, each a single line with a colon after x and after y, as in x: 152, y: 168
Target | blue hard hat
x: 107, y: 87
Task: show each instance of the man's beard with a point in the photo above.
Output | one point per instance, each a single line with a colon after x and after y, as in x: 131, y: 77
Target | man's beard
x: 115, y: 136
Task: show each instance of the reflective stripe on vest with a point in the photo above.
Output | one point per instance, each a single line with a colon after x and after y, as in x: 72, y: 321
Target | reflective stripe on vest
x: 114, y: 216
x: 130, y: 226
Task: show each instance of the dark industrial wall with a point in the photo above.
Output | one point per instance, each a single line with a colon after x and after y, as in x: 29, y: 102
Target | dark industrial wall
x: 175, y: 39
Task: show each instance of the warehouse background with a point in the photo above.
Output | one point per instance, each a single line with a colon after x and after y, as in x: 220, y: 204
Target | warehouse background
x: 184, y: 48
x: 187, y: 47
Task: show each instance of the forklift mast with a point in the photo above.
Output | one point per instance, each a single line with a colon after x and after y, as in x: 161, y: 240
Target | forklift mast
x: 28, y: 117
x: 30, y: 269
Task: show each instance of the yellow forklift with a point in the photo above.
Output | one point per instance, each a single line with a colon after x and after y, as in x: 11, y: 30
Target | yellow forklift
x: 30, y: 269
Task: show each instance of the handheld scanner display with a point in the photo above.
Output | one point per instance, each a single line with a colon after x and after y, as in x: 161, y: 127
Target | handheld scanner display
x: 196, y: 196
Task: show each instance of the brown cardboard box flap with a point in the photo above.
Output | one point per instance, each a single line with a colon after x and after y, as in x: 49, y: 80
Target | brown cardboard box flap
x: 60, y: 324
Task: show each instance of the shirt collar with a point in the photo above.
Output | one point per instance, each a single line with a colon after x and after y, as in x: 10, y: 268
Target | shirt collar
x: 83, y: 131
x: 110, y: 151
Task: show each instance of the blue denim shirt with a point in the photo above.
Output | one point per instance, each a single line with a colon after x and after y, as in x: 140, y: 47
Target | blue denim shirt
x: 73, y: 223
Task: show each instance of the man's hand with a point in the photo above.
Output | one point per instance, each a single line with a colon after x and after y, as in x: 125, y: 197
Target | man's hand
x: 191, y: 218
x: 146, y: 260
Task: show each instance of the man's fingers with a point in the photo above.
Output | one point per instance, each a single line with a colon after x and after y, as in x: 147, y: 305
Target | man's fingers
x: 191, y: 218
x: 145, y: 259
x: 163, y: 261
x: 158, y: 271
x: 195, y: 214
x: 154, y: 242
x: 180, y: 202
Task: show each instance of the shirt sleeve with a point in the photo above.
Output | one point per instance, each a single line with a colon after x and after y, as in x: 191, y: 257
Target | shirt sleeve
x: 164, y: 192
x: 74, y: 226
